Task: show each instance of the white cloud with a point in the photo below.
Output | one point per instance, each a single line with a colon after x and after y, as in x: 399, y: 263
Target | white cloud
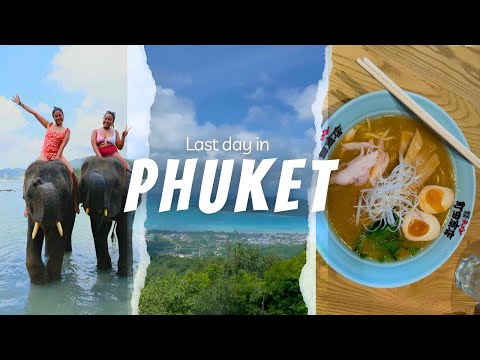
x: 269, y: 117
x: 141, y: 95
x: 255, y: 114
x: 173, y: 119
x: 265, y: 78
x: 181, y: 78
x: 257, y: 94
x: 81, y: 129
x: 99, y: 75
x: 99, y: 72
x: 301, y: 100
x: 310, y: 134
x: 167, y: 92
x: 44, y: 109
x: 11, y: 115
x: 17, y: 149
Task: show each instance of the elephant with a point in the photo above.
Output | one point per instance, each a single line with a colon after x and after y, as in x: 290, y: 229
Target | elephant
x: 48, y: 194
x: 103, y: 191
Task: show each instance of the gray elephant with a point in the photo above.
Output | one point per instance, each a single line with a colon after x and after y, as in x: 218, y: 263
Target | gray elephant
x: 48, y: 194
x: 103, y: 190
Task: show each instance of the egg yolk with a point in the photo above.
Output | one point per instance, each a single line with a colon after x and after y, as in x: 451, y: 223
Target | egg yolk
x: 418, y: 228
x: 434, y: 198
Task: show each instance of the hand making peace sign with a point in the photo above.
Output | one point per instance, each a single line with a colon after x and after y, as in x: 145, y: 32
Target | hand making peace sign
x: 125, y: 132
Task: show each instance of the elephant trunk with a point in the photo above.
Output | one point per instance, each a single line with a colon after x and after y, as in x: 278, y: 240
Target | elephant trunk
x: 96, y: 197
x: 51, y: 206
x: 47, y: 207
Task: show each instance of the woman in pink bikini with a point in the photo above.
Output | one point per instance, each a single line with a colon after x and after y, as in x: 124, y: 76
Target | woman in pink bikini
x: 106, y: 141
x: 56, y: 138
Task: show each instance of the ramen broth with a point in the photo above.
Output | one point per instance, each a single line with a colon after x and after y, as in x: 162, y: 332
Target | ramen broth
x: 343, y: 199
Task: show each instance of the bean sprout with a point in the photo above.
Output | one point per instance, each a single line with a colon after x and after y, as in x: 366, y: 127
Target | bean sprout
x: 391, y: 198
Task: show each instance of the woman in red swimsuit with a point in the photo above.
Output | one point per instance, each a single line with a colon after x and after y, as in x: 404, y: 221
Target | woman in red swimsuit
x: 106, y: 141
x: 56, y: 138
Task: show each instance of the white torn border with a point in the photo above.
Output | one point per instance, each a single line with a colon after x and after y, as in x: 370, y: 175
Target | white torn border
x: 141, y: 95
x: 308, y: 276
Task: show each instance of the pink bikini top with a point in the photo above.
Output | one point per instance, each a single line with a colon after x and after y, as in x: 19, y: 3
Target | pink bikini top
x: 112, y: 139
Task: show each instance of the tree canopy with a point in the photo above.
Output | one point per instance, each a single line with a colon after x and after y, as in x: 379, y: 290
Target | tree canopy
x: 244, y: 282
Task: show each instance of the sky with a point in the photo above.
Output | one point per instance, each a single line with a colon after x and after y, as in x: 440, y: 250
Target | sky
x: 84, y: 81
x: 247, y: 92
x: 202, y: 92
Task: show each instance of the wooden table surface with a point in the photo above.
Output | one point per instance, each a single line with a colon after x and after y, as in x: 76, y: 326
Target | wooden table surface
x: 449, y: 76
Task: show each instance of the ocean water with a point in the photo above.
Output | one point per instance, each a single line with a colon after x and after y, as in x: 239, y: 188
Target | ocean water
x: 82, y: 289
x: 195, y: 220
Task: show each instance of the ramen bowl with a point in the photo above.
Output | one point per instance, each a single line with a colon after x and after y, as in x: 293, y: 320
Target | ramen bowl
x: 370, y: 272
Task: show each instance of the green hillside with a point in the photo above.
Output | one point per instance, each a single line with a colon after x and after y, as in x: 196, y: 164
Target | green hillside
x: 244, y: 282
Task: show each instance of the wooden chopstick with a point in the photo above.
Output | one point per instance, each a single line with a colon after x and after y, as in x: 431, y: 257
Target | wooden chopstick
x: 396, y: 91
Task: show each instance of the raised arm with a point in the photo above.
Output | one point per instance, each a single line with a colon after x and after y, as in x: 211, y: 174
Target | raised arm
x: 39, y: 117
x: 93, y: 140
x: 121, y: 140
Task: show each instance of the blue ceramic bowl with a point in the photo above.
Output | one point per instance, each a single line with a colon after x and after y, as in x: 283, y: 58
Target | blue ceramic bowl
x: 387, y: 275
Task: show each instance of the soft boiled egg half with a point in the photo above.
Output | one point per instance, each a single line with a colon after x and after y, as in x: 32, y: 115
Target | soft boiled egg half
x: 420, y: 226
x: 435, y: 199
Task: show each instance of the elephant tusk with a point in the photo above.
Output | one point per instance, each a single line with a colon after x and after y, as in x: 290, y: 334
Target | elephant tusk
x: 87, y: 211
x: 35, y: 229
x: 105, y: 212
x: 59, y: 228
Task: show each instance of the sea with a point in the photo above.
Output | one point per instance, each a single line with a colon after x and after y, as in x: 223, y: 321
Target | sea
x: 85, y: 290
x: 82, y: 289
x: 194, y: 219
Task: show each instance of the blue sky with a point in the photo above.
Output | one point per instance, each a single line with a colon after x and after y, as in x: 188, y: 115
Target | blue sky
x: 225, y: 81
x: 83, y: 80
x: 203, y: 92
x: 206, y: 92
x: 25, y: 70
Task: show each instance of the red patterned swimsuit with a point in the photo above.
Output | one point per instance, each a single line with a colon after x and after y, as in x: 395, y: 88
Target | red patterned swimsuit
x: 53, y: 140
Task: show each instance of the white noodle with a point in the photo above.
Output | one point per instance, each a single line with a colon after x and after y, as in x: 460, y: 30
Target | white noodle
x: 359, y: 207
x: 391, y: 197
x: 379, y: 137
x: 350, y: 134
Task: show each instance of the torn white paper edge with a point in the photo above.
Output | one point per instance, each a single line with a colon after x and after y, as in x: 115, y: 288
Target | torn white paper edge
x: 141, y: 95
x: 308, y: 276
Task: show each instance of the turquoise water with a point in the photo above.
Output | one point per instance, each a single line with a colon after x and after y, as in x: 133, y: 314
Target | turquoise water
x: 195, y: 220
x: 82, y: 289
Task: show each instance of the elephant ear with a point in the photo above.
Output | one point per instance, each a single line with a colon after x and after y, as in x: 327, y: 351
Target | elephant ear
x: 81, y: 191
x: 27, y: 180
x: 70, y: 182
